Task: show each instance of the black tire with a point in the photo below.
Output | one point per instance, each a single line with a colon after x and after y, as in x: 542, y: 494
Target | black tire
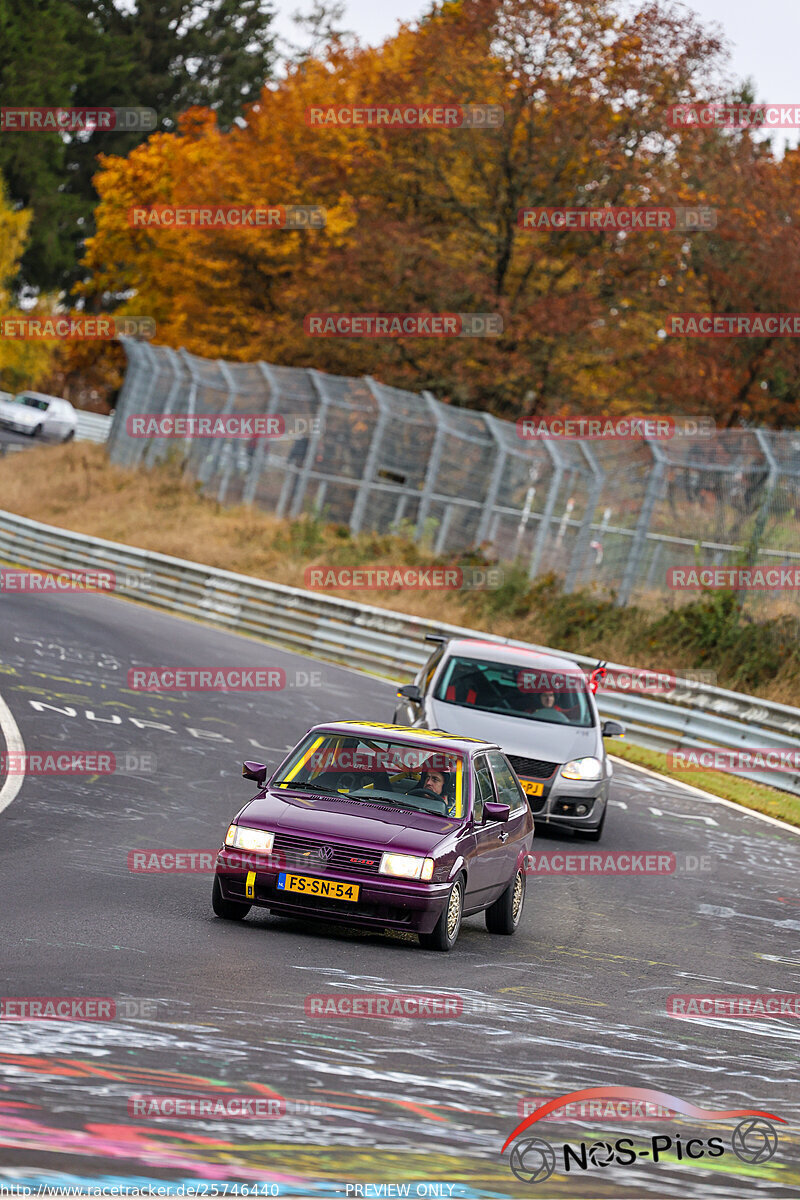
x: 505, y: 914
x: 229, y: 910
x: 594, y: 835
x: 37, y: 432
x: 445, y: 932
x: 70, y: 436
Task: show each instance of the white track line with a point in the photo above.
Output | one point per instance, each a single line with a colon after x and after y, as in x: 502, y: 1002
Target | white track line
x: 14, y: 745
x: 740, y: 808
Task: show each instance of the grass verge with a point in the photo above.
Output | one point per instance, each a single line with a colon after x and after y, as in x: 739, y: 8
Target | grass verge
x: 761, y: 799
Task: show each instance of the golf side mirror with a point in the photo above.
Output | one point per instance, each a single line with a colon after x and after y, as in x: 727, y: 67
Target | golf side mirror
x: 496, y: 812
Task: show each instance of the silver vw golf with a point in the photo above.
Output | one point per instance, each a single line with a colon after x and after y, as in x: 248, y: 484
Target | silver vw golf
x: 539, y: 708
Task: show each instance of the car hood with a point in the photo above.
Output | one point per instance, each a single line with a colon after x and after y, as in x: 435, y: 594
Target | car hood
x: 19, y: 414
x: 516, y: 735
x: 352, y: 821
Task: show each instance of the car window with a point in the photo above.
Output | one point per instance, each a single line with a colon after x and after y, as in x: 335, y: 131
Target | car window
x: 33, y: 402
x: 483, y: 786
x: 508, y: 789
x: 423, y: 680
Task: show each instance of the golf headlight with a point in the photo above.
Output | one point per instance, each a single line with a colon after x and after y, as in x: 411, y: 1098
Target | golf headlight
x: 407, y: 866
x: 257, y: 840
x: 583, y: 768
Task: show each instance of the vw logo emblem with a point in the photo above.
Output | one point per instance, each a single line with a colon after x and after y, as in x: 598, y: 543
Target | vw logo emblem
x: 533, y: 1161
x: 325, y: 853
x: 754, y: 1140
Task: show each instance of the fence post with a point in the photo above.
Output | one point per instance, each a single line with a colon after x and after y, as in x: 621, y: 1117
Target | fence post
x: 432, y: 469
x: 549, y: 506
x: 371, y: 460
x: 259, y: 454
x: 495, y: 480
x: 585, y: 532
x: 318, y: 382
x: 154, y: 453
x: 654, y: 481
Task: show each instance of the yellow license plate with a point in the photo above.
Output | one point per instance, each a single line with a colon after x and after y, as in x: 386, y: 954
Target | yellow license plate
x: 532, y: 789
x: 333, y: 889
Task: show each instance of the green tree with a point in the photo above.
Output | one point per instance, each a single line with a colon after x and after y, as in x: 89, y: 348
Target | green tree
x: 163, y: 54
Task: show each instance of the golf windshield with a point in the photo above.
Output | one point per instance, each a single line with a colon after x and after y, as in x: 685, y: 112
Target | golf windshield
x: 32, y: 402
x: 517, y: 690
x: 380, y: 770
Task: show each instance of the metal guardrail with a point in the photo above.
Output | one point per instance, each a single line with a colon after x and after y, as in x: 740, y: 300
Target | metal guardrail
x: 92, y: 427
x: 694, y: 715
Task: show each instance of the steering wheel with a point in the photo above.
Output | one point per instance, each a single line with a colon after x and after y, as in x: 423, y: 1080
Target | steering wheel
x: 428, y: 792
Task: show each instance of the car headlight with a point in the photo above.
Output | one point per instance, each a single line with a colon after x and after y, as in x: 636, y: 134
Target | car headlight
x: 257, y: 840
x: 407, y: 866
x: 583, y: 768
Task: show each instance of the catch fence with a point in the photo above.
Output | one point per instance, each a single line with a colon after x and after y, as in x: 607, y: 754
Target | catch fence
x: 618, y: 514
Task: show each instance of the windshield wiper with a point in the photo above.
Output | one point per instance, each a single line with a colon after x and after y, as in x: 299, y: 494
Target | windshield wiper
x: 314, y: 787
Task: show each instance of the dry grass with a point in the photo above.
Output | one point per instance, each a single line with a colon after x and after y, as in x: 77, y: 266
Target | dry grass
x: 74, y: 486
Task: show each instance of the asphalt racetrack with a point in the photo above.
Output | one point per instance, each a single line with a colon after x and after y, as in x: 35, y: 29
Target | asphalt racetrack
x: 576, y: 999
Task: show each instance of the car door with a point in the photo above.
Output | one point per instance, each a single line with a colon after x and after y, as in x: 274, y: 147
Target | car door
x: 49, y: 419
x: 488, y: 872
x: 516, y: 827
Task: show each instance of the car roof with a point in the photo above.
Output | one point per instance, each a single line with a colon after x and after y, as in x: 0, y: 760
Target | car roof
x: 515, y: 655
x: 429, y: 738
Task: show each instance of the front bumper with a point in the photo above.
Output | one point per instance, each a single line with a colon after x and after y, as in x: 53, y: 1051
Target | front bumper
x: 16, y: 426
x: 383, y: 902
x: 562, y: 798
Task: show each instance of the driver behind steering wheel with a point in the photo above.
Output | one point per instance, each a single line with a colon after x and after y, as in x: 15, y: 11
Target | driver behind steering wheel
x: 435, y: 783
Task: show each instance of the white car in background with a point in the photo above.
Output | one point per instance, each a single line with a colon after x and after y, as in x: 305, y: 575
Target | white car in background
x: 38, y: 415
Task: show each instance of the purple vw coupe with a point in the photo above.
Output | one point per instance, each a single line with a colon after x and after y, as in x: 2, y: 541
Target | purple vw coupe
x: 382, y: 827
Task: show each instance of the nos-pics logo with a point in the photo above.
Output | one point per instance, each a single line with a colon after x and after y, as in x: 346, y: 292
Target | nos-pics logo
x: 534, y: 1160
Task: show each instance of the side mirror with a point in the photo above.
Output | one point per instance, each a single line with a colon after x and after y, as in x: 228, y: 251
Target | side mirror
x: 255, y: 771
x: 612, y: 729
x: 410, y: 692
x: 496, y: 812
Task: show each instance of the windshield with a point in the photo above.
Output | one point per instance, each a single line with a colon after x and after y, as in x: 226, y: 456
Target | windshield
x: 32, y: 402
x: 380, y: 770
x: 515, y: 690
